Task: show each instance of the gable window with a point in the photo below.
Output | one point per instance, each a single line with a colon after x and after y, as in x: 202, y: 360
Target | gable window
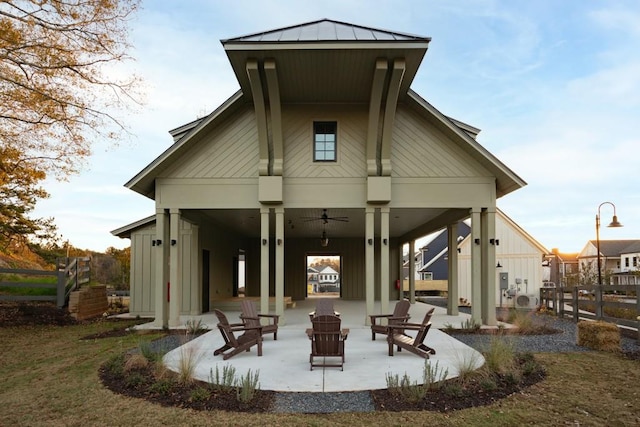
x: 324, y: 141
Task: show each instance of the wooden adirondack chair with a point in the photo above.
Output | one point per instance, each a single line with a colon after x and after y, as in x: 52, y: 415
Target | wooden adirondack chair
x: 324, y: 307
x: 400, y: 315
x: 327, y: 341
x: 250, y: 317
x: 396, y: 336
x: 251, y: 335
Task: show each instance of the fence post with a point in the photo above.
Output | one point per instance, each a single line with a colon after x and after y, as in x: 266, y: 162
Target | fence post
x: 638, y: 310
x: 598, y: 296
x: 561, y: 302
x: 575, y: 303
x: 60, y: 288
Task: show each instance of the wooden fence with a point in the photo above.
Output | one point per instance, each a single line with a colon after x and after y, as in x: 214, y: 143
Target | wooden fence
x: 573, y: 303
x: 70, y: 274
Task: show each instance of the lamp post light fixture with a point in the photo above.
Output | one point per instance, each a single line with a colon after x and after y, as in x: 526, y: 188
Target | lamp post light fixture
x: 614, y: 223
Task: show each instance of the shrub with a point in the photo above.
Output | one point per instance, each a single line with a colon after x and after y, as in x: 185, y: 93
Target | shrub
x: 470, y: 325
x: 134, y: 362
x: 247, y: 386
x: 151, y: 353
x: 224, y: 381
x: 598, y: 335
x: 115, y: 365
x: 189, y: 358
x: 500, y: 356
x: 162, y: 386
x: 194, y: 327
x: 199, y: 394
x: 433, y: 376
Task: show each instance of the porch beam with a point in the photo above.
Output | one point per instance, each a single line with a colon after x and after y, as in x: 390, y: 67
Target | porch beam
x: 476, y: 266
x: 276, y: 115
x: 279, y: 264
x: 488, y: 231
x: 264, y: 260
x: 385, y: 279
x: 412, y: 271
x: 161, y: 255
x: 175, y: 268
x: 375, y: 103
x: 391, y: 105
x: 452, y: 267
x: 255, y: 82
x: 369, y: 256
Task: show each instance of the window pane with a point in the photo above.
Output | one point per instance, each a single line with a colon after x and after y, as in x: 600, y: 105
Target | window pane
x: 324, y: 148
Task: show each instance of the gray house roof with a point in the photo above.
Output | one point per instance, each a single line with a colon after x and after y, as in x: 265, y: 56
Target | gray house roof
x: 614, y: 248
x: 325, y: 30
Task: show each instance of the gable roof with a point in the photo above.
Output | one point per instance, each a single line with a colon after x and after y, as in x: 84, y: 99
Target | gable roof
x: 501, y: 215
x: 506, y: 179
x: 369, y: 43
x: 325, y: 30
x: 615, y: 248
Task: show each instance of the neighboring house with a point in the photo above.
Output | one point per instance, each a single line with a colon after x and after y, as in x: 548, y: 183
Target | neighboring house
x: 312, y: 280
x: 324, y: 149
x: 519, y: 263
x: 616, y: 257
x: 434, y: 255
x: 563, y: 268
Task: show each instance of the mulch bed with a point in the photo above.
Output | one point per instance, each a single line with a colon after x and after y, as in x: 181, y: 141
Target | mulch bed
x: 453, y: 396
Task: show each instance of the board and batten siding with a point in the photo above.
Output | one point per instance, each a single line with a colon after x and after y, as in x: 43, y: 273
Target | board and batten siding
x: 142, y: 273
x: 518, y: 256
x: 143, y: 261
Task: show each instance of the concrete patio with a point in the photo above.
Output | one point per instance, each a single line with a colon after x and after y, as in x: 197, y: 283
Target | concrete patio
x: 284, y: 365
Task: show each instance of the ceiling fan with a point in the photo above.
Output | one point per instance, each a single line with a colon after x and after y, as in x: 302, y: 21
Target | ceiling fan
x: 325, y: 218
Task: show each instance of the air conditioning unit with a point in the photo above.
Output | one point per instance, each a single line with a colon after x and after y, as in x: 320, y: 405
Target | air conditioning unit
x: 526, y: 301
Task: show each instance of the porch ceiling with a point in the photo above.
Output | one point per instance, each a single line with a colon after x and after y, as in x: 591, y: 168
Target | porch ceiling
x: 305, y: 223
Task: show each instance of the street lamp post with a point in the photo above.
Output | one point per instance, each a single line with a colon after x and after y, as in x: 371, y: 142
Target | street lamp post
x: 614, y: 223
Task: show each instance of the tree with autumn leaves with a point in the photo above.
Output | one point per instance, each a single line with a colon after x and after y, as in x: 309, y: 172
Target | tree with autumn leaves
x: 57, y: 96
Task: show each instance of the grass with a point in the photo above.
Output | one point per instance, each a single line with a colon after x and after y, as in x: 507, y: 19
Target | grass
x: 50, y: 377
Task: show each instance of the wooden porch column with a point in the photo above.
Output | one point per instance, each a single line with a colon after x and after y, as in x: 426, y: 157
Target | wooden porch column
x: 476, y: 266
x: 161, y: 255
x: 412, y: 272
x: 175, y: 268
x: 264, y: 260
x: 452, y: 267
x: 279, y: 263
x: 488, y: 287
x: 384, y: 260
x: 369, y: 259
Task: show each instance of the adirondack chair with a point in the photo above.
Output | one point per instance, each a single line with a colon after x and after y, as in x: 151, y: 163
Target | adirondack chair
x: 327, y: 341
x: 400, y: 315
x: 250, y: 317
x: 251, y: 335
x: 397, y: 336
x: 324, y: 307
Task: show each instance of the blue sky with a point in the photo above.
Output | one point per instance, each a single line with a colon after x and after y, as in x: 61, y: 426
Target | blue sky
x: 553, y: 85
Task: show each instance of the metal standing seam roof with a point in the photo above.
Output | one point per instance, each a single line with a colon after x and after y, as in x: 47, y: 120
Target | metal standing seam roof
x: 326, y: 30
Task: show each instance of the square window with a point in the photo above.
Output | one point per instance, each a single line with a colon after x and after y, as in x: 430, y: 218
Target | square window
x: 324, y: 141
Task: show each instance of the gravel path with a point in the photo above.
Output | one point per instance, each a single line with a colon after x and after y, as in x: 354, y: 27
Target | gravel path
x: 563, y: 342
